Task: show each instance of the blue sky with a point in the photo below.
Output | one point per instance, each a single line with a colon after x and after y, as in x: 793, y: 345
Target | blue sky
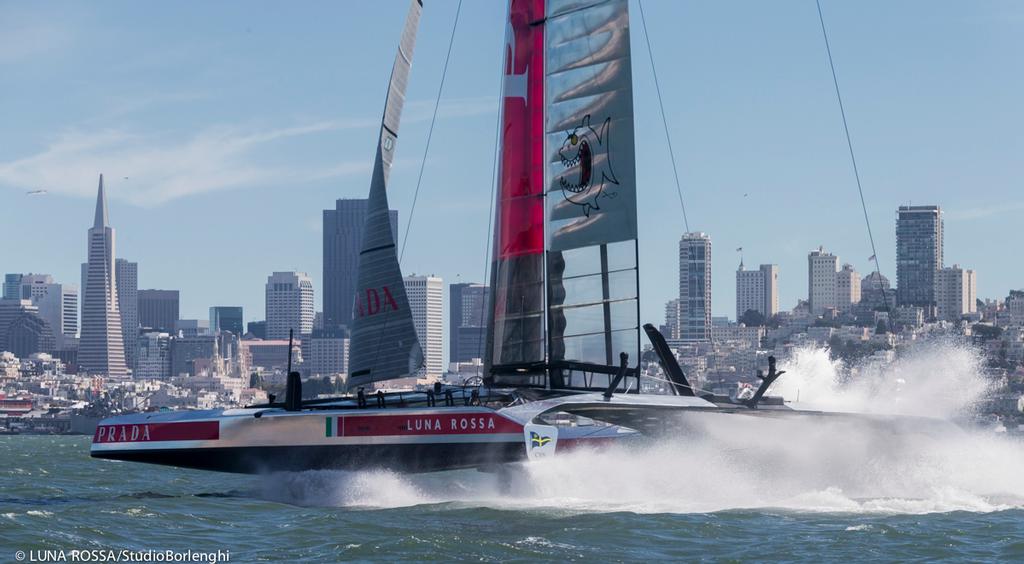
x: 236, y: 123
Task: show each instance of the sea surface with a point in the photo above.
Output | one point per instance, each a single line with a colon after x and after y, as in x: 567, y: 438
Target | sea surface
x: 656, y: 503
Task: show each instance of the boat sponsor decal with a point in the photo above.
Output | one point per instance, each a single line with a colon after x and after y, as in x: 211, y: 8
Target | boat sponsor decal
x: 584, y: 154
x: 147, y: 432
x: 423, y: 424
x: 541, y: 440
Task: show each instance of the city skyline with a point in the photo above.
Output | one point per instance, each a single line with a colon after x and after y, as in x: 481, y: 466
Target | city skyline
x: 158, y: 212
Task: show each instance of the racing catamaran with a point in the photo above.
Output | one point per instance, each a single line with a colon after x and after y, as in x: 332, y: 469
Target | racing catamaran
x: 562, y: 353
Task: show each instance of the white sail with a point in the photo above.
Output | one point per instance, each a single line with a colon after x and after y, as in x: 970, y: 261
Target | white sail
x: 383, y: 342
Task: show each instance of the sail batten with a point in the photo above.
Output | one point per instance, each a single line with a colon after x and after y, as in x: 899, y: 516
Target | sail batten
x: 384, y: 344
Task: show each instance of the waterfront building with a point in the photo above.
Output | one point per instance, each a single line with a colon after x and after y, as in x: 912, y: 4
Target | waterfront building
x: 918, y: 255
x: 159, y: 309
x: 695, y: 287
x: 757, y: 290
x: 848, y: 291
x: 226, y: 318
x: 343, y: 240
x: 956, y: 293
x: 289, y: 299
x: 426, y: 300
x: 821, y: 281
x: 101, y: 349
x: 467, y: 307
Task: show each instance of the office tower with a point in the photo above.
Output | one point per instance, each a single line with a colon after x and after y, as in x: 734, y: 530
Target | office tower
x: 757, y: 290
x: 101, y: 349
x: 159, y: 309
x: 57, y: 303
x: 328, y: 353
x: 226, y: 318
x: 956, y: 293
x: 343, y: 240
x: 186, y: 350
x: 289, y: 297
x: 821, y: 280
x: 848, y: 290
x: 154, y: 361
x: 128, y: 304
x: 426, y: 300
x: 22, y: 330
x: 695, y: 287
x: 257, y: 329
x: 918, y: 255
x: 192, y: 327
x: 12, y: 286
x: 467, y: 307
x: 671, y: 328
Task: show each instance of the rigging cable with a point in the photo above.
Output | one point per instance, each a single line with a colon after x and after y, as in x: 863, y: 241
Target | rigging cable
x: 488, y: 244
x: 664, y: 121
x: 853, y: 159
x: 430, y: 132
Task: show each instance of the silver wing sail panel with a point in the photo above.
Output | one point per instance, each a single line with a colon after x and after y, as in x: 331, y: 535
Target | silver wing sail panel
x: 384, y: 343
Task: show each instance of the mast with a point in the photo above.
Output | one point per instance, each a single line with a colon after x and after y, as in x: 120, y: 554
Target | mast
x: 566, y: 227
x: 384, y: 345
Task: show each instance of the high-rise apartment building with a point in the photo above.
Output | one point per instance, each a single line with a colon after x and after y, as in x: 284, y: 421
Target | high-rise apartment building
x: 671, y: 328
x: 343, y: 240
x: 918, y: 255
x: 821, y: 280
x: 956, y: 293
x: 159, y: 309
x: 847, y: 288
x: 467, y: 307
x: 101, y: 349
x: 128, y: 304
x: 757, y: 290
x: 227, y: 318
x: 426, y: 300
x: 695, y: 287
x: 289, y: 299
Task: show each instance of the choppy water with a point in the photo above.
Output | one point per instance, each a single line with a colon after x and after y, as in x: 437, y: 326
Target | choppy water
x: 811, y: 493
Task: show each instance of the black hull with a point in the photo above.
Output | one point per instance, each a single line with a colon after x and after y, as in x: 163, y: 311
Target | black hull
x: 400, y: 457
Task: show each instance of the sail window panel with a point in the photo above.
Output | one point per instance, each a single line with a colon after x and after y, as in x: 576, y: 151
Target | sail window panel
x: 583, y: 320
x: 585, y: 261
x: 519, y: 340
x: 590, y: 289
x: 591, y: 349
x: 621, y: 255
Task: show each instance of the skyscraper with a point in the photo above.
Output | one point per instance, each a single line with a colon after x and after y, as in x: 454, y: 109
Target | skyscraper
x: 695, y: 287
x: 821, y: 280
x: 12, y: 286
x: 847, y: 288
x: 426, y: 300
x: 101, y: 349
x: 757, y: 290
x: 956, y: 292
x: 22, y: 330
x: 159, y: 310
x: 467, y: 305
x: 918, y: 255
x: 343, y: 239
x: 289, y: 298
x: 128, y: 303
x: 57, y: 303
x: 227, y: 318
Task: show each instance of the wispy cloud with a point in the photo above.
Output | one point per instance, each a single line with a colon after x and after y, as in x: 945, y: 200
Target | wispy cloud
x: 216, y: 158
x: 984, y: 212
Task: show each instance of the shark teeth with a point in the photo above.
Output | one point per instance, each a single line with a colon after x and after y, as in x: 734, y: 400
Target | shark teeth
x: 571, y: 187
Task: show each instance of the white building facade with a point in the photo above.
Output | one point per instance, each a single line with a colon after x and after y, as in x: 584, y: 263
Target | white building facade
x: 289, y: 304
x: 426, y: 300
x: 821, y: 280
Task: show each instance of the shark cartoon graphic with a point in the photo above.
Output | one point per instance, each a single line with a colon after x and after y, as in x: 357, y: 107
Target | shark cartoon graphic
x: 586, y: 150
